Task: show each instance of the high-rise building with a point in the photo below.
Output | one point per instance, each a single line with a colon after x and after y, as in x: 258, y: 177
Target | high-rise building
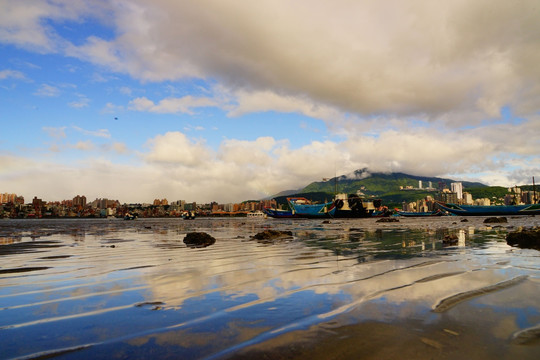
x: 79, y: 201
x: 419, y: 184
x: 457, y: 188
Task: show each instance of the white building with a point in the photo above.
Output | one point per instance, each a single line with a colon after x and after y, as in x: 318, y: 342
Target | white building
x: 458, y: 189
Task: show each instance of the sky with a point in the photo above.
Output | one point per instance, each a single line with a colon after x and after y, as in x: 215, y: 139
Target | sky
x: 229, y: 100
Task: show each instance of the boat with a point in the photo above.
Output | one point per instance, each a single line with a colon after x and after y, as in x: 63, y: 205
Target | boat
x: 278, y: 213
x: 256, y: 215
x: 493, y: 210
x: 129, y: 216
x: 302, y: 207
x: 437, y: 212
x: 353, y: 206
x: 188, y: 215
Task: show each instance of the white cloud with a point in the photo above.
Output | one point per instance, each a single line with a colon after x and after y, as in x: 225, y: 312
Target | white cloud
x: 176, y: 148
x: 81, y: 102
x: 55, y: 132
x: 103, y: 133
x: 185, y: 104
x: 14, y: 74
x: 46, y: 90
x: 84, y: 145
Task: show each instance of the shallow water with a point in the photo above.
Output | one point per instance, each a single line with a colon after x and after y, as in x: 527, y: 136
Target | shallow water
x: 132, y: 289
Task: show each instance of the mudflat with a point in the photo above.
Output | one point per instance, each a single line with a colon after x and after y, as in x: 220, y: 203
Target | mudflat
x: 109, y: 288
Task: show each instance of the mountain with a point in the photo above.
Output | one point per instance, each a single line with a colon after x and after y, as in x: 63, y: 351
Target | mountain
x: 378, y: 184
x: 381, y: 185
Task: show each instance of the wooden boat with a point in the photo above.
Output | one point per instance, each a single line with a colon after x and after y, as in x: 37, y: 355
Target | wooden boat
x: 495, y: 210
x: 302, y: 207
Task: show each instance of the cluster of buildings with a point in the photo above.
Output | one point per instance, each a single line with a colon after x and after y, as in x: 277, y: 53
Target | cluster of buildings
x: 456, y: 195
x: 13, y: 206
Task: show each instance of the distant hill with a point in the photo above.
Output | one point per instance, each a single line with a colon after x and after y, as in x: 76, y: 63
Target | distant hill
x: 378, y: 184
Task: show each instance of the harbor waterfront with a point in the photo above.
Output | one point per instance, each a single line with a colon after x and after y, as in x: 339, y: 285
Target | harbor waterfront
x: 335, y: 289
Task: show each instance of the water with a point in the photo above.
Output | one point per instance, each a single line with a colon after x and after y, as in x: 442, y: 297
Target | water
x: 87, y: 289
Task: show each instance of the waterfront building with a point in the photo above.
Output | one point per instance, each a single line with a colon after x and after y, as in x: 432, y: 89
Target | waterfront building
x: 467, y: 198
x: 79, y: 201
x: 457, y: 188
x: 447, y: 197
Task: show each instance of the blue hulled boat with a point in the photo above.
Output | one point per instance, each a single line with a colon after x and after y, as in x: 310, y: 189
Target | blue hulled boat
x: 302, y: 207
x: 277, y: 213
x: 496, y: 210
x: 437, y: 212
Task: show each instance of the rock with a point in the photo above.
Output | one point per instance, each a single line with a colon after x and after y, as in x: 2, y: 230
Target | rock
x: 524, y: 239
x: 451, y: 239
x: 464, y: 220
x: 199, y: 239
x: 388, y: 219
x: 492, y: 220
x: 269, y: 236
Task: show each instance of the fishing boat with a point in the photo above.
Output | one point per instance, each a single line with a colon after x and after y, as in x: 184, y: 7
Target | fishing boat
x: 352, y: 206
x: 302, y: 207
x: 437, y: 212
x: 278, y: 213
x: 495, y: 210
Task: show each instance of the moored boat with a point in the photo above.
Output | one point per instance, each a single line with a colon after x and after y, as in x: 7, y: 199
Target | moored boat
x: 256, y: 215
x: 437, y: 212
x: 493, y: 210
x: 278, y: 213
x: 302, y: 207
x: 353, y: 206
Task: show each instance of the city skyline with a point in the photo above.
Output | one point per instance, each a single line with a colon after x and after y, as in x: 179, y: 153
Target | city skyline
x: 228, y: 100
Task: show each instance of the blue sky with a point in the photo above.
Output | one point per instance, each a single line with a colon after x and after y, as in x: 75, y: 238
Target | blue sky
x: 232, y: 100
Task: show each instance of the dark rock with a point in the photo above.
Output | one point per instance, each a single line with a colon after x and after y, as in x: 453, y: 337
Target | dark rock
x: 464, y: 220
x: 524, y: 239
x: 451, y: 239
x: 199, y: 239
x: 326, y: 222
x: 388, y: 219
x: 269, y: 236
x: 495, y: 220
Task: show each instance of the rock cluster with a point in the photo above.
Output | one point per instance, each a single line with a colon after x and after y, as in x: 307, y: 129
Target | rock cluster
x: 388, y: 219
x: 268, y: 236
x: 524, y: 238
x: 495, y: 220
x: 199, y: 239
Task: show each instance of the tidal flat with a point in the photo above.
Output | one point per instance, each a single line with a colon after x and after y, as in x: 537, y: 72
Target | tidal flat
x: 335, y: 289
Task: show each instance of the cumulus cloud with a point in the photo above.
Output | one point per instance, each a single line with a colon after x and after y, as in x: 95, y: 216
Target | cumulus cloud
x: 364, y: 57
x: 369, y: 57
x: 176, y: 148
x: 411, y: 86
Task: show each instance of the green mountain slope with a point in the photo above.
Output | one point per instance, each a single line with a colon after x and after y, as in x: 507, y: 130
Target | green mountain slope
x: 378, y: 184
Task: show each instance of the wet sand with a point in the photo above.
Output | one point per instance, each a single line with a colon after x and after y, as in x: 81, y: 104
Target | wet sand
x: 347, y: 288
